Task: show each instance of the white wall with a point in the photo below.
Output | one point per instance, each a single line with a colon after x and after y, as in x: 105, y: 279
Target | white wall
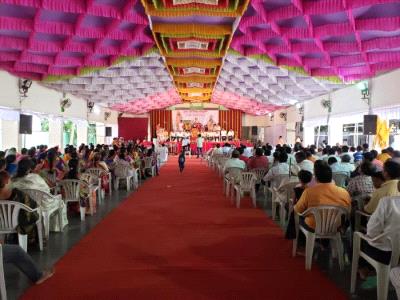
x: 45, y: 101
x: 277, y: 127
x: 347, y: 106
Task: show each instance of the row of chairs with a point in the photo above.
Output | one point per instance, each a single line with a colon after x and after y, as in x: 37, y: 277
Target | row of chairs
x: 49, y: 204
x: 326, y: 218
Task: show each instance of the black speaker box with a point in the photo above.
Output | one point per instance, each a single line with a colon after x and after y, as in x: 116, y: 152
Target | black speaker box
x: 25, y: 124
x: 254, y: 130
x: 370, y: 124
x: 108, y: 131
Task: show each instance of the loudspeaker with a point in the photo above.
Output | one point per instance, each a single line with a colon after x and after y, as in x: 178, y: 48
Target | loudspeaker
x: 254, y: 130
x: 108, y: 131
x: 370, y: 122
x: 25, y: 124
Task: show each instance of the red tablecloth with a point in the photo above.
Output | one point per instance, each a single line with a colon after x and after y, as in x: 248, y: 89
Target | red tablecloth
x: 208, y: 145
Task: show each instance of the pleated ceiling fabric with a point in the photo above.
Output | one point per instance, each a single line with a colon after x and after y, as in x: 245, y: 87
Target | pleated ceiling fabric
x: 231, y: 119
x: 163, y: 118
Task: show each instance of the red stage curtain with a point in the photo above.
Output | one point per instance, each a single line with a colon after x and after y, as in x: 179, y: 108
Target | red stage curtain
x: 162, y: 117
x: 231, y: 119
x: 133, y: 128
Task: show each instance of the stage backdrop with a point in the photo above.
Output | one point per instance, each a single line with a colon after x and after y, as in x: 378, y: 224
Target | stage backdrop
x: 231, y: 119
x: 205, y: 117
x: 133, y: 128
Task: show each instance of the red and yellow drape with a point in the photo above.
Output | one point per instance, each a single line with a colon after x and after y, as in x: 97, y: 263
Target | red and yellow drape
x: 160, y: 117
x: 231, y: 119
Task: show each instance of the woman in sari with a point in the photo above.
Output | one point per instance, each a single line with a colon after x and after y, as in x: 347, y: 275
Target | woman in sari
x: 98, y: 163
x: 25, y: 179
x: 49, y: 170
x: 26, y: 220
x: 85, y: 194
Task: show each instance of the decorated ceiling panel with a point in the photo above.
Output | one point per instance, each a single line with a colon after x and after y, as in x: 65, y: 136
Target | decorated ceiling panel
x: 261, y: 81
x: 129, y: 82
x: 257, y: 56
x: 350, y: 39
x: 66, y: 38
x: 194, y: 37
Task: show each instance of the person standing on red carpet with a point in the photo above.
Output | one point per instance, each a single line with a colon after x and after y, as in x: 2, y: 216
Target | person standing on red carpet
x: 181, y: 161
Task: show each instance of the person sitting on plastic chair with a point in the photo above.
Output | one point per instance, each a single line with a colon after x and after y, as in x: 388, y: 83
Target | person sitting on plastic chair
x: 14, y: 254
x: 323, y: 193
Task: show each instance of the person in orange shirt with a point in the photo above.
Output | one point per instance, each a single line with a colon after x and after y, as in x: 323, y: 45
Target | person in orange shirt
x: 325, y: 192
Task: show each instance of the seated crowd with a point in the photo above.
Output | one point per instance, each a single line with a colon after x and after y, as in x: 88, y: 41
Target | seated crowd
x: 359, y: 180
x: 45, y: 169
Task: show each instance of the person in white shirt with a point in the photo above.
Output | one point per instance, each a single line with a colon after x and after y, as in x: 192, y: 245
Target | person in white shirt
x: 234, y: 161
x: 218, y: 150
x: 226, y: 149
x: 248, y: 152
x: 185, y: 144
x: 341, y: 167
x: 231, y: 134
x: 385, y: 219
x: 280, y: 168
x: 302, y: 164
x: 291, y: 159
x: 223, y: 135
x: 345, y: 151
x: 199, y: 142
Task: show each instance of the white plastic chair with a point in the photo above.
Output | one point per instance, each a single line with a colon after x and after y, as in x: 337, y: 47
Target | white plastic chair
x: 100, y: 172
x: 246, y: 185
x: 128, y: 179
x: 221, y: 165
x: 51, y: 178
x: 341, y: 179
x: 259, y: 173
x: 382, y: 271
x: 3, y: 290
x: 281, y: 197
x: 232, y: 177
x: 48, y: 204
x: 71, y: 193
x: 9, y: 211
x: 395, y: 279
x: 214, y: 159
x: 275, y: 183
x: 148, y: 165
x: 327, y: 220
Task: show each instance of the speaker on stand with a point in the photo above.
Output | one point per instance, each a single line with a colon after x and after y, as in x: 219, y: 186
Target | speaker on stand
x: 108, y: 134
x: 370, y: 126
x: 25, y: 126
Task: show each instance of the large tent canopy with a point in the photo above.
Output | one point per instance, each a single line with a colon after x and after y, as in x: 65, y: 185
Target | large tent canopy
x: 256, y: 56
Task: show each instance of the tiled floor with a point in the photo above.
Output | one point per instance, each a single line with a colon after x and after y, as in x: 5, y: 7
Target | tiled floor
x: 60, y: 243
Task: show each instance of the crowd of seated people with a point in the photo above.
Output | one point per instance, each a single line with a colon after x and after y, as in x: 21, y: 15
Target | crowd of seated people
x: 371, y: 186
x: 41, y: 168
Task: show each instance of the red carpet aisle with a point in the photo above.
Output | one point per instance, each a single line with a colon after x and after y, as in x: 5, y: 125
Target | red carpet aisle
x: 178, y: 237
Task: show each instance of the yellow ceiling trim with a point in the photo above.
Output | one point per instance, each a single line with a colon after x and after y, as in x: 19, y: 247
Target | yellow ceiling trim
x: 166, y: 14
x: 184, y: 63
x: 194, y: 53
x: 189, y: 79
x: 195, y: 90
x: 196, y: 99
x: 192, y: 29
